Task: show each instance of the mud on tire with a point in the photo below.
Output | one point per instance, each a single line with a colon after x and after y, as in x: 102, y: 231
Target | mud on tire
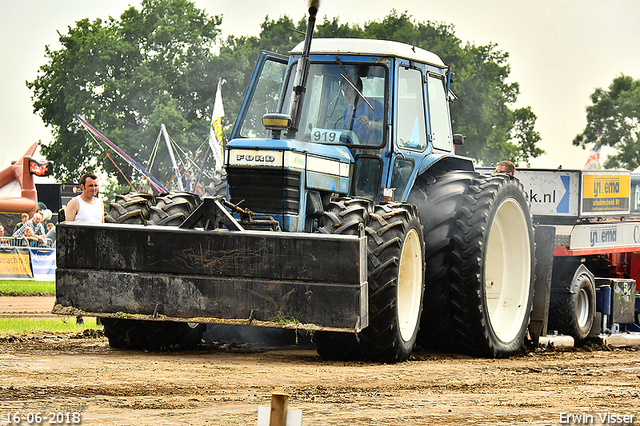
x: 130, y: 208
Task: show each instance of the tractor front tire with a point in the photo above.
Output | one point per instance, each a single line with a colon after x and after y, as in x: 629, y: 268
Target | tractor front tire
x: 343, y: 216
x: 396, y: 281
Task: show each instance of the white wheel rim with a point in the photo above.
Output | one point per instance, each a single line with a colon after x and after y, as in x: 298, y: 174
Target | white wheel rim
x: 582, y: 308
x: 409, y: 285
x: 508, y: 271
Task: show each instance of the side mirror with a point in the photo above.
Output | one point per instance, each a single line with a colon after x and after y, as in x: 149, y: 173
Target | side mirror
x: 458, y: 139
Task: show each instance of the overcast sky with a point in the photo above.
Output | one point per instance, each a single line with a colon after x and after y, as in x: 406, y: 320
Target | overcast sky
x: 560, y: 51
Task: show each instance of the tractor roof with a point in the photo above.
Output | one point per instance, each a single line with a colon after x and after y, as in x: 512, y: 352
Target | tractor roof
x: 355, y: 46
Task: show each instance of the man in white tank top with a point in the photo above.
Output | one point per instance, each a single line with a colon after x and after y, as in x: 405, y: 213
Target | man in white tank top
x: 86, y: 207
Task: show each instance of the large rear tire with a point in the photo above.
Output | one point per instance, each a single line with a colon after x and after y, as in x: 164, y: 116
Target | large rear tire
x: 480, y: 262
x: 437, y: 199
x: 493, y: 268
x: 396, y: 282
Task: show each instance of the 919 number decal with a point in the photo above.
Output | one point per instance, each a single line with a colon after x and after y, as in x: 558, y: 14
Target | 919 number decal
x: 325, y: 136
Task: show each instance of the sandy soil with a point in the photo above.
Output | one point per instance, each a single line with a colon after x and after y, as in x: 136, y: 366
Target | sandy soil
x: 223, y: 384
x: 26, y: 306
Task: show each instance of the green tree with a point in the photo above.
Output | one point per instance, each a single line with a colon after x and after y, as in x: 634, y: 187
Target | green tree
x: 615, y: 116
x: 483, y: 112
x: 127, y: 77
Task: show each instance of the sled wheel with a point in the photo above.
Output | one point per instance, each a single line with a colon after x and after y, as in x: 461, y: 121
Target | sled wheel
x: 572, y: 309
x: 130, y: 208
x: 492, y: 267
x: 396, y: 278
x: 342, y: 216
x: 173, y: 208
x: 124, y: 333
x: 167, y: 335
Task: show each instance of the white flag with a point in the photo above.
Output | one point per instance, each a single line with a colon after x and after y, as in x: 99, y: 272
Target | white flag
x: 593, y: 162
x: 215, y: 135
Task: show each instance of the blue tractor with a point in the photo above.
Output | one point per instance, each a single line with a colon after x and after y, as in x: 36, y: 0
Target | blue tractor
x: 346, y: 212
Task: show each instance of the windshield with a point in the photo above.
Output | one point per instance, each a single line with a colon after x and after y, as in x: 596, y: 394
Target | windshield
x: 343, y: 104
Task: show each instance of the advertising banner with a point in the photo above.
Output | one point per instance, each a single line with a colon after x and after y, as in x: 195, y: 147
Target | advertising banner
x: 605, y: 193
x: 15, y: 263
x: 43, y: 262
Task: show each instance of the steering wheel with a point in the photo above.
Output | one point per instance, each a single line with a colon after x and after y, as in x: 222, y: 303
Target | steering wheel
x: 339, y: 120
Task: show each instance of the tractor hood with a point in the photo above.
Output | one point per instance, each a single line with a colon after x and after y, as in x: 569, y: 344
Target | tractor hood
x: 289, y: 153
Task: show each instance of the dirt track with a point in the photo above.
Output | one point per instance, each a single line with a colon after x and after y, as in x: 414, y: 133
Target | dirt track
x: 224, y: 385
x: 38, y: 307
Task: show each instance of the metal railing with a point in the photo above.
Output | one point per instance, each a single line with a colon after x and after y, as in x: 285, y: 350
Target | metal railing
x: 26, y: 242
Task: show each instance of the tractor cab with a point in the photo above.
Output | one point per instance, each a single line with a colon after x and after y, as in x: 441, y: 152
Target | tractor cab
x: 365, y: 120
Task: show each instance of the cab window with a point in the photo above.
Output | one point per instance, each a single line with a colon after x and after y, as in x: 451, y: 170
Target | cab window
x: 411, y: 129
x: 439, y: 114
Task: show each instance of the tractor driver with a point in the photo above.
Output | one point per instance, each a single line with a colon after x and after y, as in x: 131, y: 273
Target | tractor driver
x: 358, y: 116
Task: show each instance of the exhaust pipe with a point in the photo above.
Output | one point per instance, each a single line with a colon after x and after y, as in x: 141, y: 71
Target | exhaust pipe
x: 302, y: 72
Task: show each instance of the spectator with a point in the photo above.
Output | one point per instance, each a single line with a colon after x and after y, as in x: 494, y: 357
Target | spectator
x: 86, y: 207
x: 25, y: 218
x: 9, y: 229
x: 506, y: 167
x: 30, y: 238
x: 35, y: 224
x: 3, y: 241
x: 51, y: 234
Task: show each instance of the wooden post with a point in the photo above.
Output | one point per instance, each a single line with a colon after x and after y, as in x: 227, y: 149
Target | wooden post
x: 279, y: 406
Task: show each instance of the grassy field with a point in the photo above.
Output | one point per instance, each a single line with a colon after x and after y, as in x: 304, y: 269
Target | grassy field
x: 27, y: 288
x: 10, y: 326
